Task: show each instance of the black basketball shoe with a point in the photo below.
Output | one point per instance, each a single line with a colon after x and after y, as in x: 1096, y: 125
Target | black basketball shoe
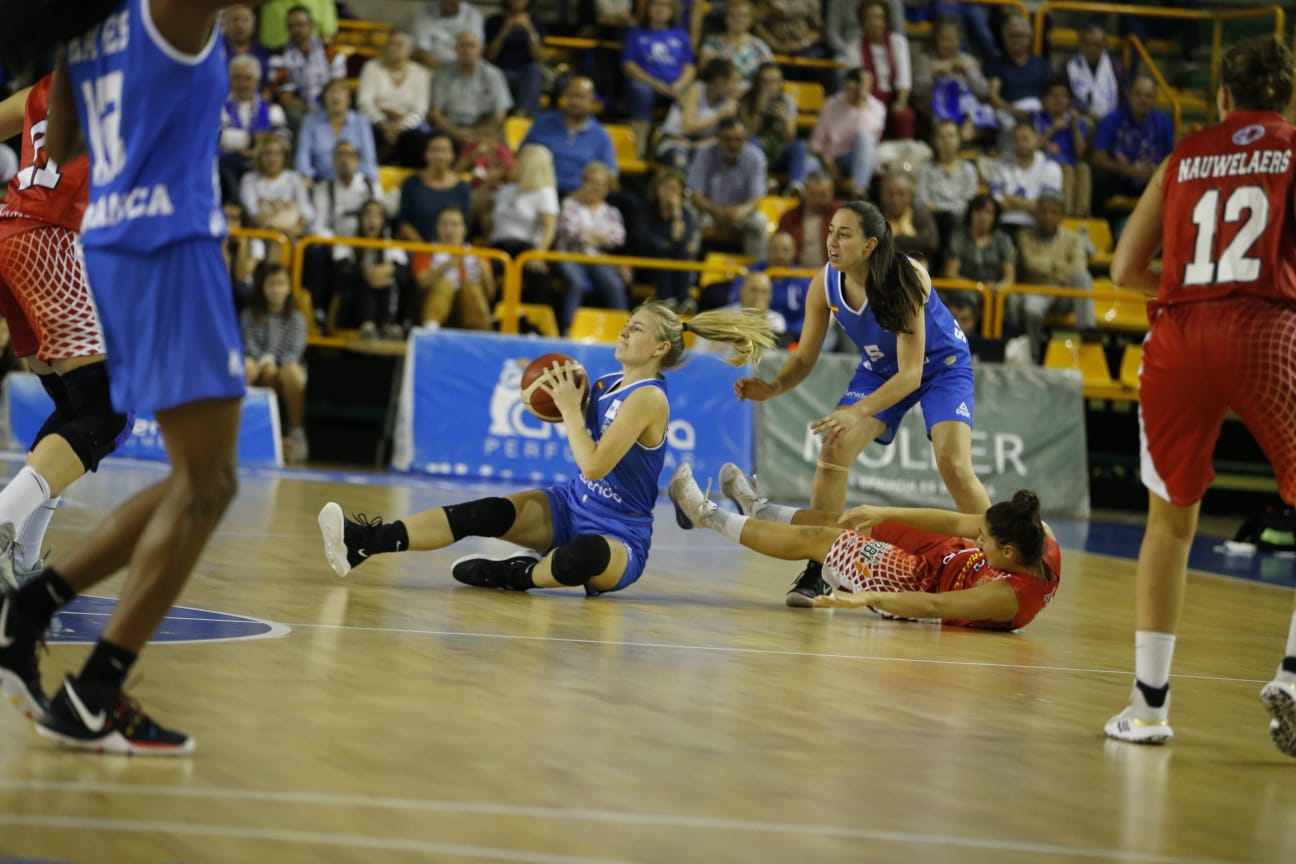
x: 19, y: 666
x: 507, y: 574
x: 808, y: 585
x: 121, y: 728
x: 348, y: 543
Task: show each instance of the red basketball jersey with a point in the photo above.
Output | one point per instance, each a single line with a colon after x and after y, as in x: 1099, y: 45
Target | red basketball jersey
x: 43, y: 190
x: 1229, y: 225
x: 965, y: 567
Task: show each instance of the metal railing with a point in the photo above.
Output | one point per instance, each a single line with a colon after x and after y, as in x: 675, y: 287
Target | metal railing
x: 278, y: 238
x: 1098, y: 294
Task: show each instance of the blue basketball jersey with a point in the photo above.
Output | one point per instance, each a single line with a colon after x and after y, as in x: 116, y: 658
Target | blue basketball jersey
x: 149, y: 113
x: 946, y: 345
x: 631, y: 487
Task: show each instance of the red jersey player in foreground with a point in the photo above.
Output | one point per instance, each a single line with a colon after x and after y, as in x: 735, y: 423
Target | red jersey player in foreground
x: 1223, y: 326
x: 902, y: 562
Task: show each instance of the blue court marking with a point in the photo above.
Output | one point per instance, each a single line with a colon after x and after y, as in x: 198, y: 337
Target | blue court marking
x: 84, y: 618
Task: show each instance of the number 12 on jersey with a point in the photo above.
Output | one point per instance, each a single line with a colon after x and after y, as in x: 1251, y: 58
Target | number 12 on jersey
x: 1233, y: 264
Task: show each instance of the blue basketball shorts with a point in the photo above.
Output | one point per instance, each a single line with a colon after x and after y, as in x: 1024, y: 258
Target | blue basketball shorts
x: 948, y: 394
x: 169, y: 325
x: 575, y: 514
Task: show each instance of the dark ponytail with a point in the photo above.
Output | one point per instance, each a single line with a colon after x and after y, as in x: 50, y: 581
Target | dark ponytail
x: 895, y: 290
x: 1018, y: 522
x: 1258, y: 74
x: 31, y: 28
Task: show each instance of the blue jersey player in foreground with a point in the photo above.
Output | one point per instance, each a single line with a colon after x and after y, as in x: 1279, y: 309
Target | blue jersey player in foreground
x: 595, y: 530
x: 913, y: 352
x: 140, y: 84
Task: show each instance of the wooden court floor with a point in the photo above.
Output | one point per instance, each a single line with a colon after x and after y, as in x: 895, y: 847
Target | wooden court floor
x: 693, y: 718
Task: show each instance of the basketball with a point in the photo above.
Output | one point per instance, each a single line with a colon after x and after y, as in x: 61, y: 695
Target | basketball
x: 534, y: 397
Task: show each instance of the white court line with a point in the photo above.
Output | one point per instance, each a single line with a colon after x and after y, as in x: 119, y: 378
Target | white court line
x: 517, y: 811
x: 776, y: 652
x: 239, y: 832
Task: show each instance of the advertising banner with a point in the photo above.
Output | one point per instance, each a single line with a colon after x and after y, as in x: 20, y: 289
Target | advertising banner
x: 1029, y: 433
x: 461, y: 411
x: 260, y: 441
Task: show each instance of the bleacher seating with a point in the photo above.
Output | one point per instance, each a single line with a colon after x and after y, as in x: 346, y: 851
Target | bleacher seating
x: 626, y: 148
x: 1131, y: 362
x: 515, y: 131
x: 1100, y: 235
x: 1087, y: 358
x: 597, y: 325
x: 774, y: 206
x: 809, y: 99
x: 539, y: 314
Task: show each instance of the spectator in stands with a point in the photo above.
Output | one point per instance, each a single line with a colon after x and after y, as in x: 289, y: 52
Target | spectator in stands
x: 337, y: 203
x: 274, y: 195
x: 437, y: 26
x: 771, y: 115
x: 490, y: 162
x: 694, y: 119
x: 242, y: 254
x: 373, y: 283
x: 747, y: 52
x: 845, y: 138
x: 792, y: 27
x: 573, y: 135
x: 787, y: 294
x: 728, y: 180
x: 1018, y: 78
x: 245, y: 120
x: 1064, y: 138
x: 274, y: 347
x: 299, y: 73
x: 1018, y: 181
x: 948, y: 83
x: 842, y: 27
x: 672, y: 232
x: 464, y: 90
x: 974, y: 18
x: 885, y: 55
x: 455, y: 288
x: 1130, y: 143
x: 394, y: 96
x: 608, y: 21
x: 590, y: 226
x: 658, y: 63
x: 978, y: 251
x: 1051, y: 255
x: 515, y: 44
x: 1095, y: 76
x: 807, y: 223
x: 238, y: 25
x: 948, y: 182
x: 323, y: 128
x: 914, y: 229
x: 431, y: 190
x: 526, y: 216
x: 275, y: 30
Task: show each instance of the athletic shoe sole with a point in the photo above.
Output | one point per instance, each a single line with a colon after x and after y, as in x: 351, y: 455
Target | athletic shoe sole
x: 332, y: 525
x: 798, y: 600
x: 730, y: 474
x: 1282, y: 707
x: 1134, y: 731
x: 16, y: 693
x: 114, y: 743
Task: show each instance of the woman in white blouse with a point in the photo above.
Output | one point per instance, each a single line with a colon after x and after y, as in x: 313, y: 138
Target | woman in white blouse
x: 394, y: 95
x: 590, y: 226
x: 526, y: 216
x: 274, y: 195
x: 885, y: 54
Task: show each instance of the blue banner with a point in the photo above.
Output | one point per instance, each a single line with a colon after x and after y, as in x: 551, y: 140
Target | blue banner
x: 462, y: 414
x: 260, y: 443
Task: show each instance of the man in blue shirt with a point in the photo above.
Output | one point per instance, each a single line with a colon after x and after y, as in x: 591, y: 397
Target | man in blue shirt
x: 1130, y: 143
x: 573, y: 136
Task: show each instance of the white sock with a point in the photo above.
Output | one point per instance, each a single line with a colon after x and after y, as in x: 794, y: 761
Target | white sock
x: 1153, y: 653
x: 775, y: 513
x: 728, y: 524
x: 24, y: 495
x: 31, y: 536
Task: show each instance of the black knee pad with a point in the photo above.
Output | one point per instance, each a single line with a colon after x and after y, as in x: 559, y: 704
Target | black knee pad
x: 62, y: 412
x: 485, y: 517
x: 94, y: 429
x: 580, y: 560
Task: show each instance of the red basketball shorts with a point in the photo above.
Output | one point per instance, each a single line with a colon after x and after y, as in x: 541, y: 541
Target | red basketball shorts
x: 44, y: 294
x: 1199, y: 361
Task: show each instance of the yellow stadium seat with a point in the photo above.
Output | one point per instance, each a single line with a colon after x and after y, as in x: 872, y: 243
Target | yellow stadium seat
x: 720, y: 268
x: 774, y: 206
x: 1127, y: 311
x: 1131, y: 362
x: 539, y: 314
x: 1087, y: 358
x: 391, y: 176
x: 809, y: 98
x: 515, y: 131
x: 1100, y: 235
x: 598, y: 325
x: 626, y: 148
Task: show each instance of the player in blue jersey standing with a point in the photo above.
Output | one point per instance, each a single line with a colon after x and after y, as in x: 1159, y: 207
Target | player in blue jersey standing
x: 593, y: 531
x: 140, y: 84
x: 913, y: 353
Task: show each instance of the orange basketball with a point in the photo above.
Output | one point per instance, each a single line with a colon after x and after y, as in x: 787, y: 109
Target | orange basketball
x: 536, y: 399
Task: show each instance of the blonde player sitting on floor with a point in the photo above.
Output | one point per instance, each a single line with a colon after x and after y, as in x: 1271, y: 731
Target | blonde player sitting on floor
x: 993, y: 571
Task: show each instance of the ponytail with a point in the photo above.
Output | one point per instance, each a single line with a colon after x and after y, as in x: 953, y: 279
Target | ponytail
x: 1258, y: 74
x: 32, y: 28
x: 895, y: 289
x: 1018, y: 522
x: 746, y: 331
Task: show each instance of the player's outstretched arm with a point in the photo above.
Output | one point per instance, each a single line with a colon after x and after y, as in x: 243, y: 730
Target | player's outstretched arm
x: 867, y: 516
x: 63, y: 140
x: 995, y: 601
x: 1139, y: 242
